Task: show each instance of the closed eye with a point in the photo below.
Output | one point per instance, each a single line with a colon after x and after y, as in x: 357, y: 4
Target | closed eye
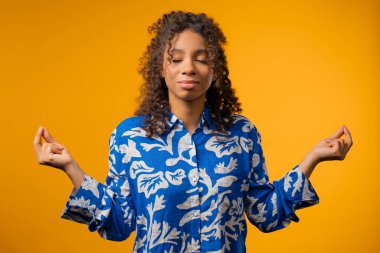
x: 178, y: 61
x: 202, y: 61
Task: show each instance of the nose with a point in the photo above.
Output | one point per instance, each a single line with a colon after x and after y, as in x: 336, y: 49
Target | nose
x: 188, y: 67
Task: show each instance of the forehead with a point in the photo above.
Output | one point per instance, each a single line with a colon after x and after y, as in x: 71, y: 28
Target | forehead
x: 187, y: 41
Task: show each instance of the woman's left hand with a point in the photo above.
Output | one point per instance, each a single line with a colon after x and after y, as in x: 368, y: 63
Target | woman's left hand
x: 333, y: 148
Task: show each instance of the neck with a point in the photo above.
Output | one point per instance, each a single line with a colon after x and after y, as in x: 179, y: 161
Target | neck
x: 189, y: 112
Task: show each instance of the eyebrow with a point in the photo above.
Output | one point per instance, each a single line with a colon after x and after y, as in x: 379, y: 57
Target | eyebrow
x: 177, y: 50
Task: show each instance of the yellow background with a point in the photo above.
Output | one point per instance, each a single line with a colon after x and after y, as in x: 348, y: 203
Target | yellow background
x: 301, y: 69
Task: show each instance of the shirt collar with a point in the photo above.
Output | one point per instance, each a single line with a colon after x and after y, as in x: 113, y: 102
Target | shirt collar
x: 206, y: 117
x: 172, y: 120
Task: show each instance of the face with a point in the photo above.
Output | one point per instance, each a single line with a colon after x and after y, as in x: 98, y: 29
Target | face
x: 189, y: 74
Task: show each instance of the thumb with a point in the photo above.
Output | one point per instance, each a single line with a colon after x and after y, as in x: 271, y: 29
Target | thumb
x: 57, y: 148
x: 47, y: 136
x: 337, y: 134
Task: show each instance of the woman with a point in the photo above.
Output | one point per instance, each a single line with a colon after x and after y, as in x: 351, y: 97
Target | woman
x: 186, y: 168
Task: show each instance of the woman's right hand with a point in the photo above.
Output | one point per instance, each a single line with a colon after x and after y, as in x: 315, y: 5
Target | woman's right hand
x: 51, y: 153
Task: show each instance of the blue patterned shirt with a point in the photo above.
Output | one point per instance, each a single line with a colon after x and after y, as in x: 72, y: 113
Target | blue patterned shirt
x: 185, y: 192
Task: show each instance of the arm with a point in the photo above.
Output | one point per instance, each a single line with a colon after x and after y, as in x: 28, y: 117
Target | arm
x: 109, y: 208
x: 272, y: 206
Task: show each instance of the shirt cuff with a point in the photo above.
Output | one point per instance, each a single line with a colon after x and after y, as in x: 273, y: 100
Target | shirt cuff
x: 297, y: 192
x: 82, y: 204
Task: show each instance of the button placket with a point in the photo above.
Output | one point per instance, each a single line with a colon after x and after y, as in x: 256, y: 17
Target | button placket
x: 195, y: 200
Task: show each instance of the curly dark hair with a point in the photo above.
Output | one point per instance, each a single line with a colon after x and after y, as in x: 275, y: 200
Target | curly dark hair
x: 220, y: 97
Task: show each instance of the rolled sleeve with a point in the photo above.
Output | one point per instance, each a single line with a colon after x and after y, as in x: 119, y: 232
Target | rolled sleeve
x: 272, y: 206
x: 108, y: 209
x: 295, y: 192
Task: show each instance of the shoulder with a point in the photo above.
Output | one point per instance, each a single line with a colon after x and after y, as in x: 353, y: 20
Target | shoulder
x: 131, y: 122
x: 243, y: 124
x: 244, y: 127
x: 128, y: 124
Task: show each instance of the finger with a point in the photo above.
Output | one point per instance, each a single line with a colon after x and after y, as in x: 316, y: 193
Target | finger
x: 47, y: 136
x: 334, y: 143
x: 37, y: 140
x: 44, y: 146
x: 56, y: 148
x: 45, y: 149
x: 50, y: 152
x: 337, y: 134
x: 338, y: 148
x: 348, y: 136
x: 48, y: 149
x: 51, y: 157
x: 330, y: 143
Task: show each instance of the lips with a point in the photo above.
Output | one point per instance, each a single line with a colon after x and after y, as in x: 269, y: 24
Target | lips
x: 188, y: 84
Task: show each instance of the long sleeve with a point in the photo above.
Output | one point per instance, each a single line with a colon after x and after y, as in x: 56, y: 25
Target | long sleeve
x: 272, y: 206
x: 108, y: 209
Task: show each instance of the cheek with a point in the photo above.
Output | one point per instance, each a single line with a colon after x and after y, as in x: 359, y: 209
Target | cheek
x: 169, y: 77
x: 208, y: 75
x: 169, y: 71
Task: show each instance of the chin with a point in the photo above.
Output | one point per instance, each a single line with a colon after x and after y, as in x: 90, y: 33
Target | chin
x: 187, y: 96
x: 191, y: 98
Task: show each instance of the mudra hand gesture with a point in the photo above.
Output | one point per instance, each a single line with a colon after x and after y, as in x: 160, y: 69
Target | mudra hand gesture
x: 51, y: 153
x: 332, y: 148
x: 54, y: 154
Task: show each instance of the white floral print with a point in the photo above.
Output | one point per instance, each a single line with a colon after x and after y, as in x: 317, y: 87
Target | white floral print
x: 188, y: 193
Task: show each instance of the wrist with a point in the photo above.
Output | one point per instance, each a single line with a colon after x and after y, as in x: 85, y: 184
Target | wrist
x: 308, y: 164
x: 313, y: 158
x: 75, y: 173
x: 71, y: 168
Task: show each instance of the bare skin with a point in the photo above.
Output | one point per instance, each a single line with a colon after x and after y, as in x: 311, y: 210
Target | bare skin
x: 188, y: 77
x: 331, y: 148
x: 52, y: 153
